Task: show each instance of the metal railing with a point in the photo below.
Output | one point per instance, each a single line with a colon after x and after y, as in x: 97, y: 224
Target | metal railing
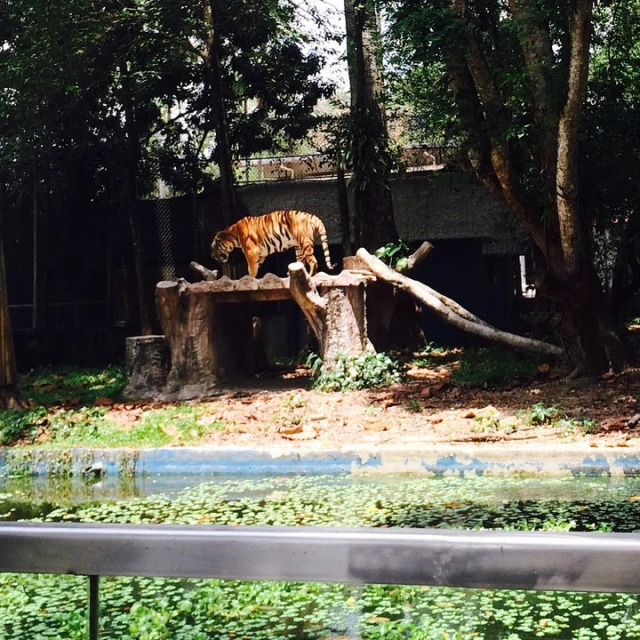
x: 604, y: 562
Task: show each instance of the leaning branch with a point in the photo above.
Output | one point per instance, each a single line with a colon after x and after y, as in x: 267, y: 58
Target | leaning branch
x: 451, y: 311
x: 313, y: 305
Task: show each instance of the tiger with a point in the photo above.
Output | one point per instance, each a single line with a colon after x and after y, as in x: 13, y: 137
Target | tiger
x: 260, y: 236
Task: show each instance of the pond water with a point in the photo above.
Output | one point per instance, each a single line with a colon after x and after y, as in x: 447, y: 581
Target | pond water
x: 77, y: 489
x: 53, y: 606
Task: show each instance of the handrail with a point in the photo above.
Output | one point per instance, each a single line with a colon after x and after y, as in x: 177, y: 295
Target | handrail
x: 482, y: 559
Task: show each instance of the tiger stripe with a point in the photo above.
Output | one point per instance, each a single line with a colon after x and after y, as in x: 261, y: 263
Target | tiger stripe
x: 260, y: 236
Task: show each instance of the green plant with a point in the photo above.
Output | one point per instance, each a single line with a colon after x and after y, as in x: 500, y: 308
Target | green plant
x: 76, y: 385
x: 394, y: 254
x: 415, y: 406
x: 355, y: 372
x: 542, y: 414
x: 21, y: 425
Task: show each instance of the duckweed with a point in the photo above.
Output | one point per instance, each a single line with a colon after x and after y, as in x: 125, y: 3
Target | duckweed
x: 151, y: 609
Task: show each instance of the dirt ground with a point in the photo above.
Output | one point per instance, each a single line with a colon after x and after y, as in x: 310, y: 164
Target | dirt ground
x: 279, y: 409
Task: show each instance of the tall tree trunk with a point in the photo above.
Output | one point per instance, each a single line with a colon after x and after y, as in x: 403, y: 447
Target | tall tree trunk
x: 132, y: 157
x: 373, y: 223
x: 9, y: 396
x: 343, y: 208
x: 213, y: 75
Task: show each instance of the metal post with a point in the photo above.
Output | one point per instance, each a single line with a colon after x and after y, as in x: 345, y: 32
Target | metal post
x: 94, y: 607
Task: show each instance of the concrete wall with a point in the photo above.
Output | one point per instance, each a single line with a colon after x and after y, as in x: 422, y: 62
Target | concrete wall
x: 432, y: 205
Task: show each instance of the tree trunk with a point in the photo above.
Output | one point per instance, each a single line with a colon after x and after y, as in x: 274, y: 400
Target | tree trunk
x: 132, y: 157
x: 343, y: 208
x: 147, y: 365
x: 213, y: 75
x: 555, y: 221
x: 374, y: 223
x: 9, y: 396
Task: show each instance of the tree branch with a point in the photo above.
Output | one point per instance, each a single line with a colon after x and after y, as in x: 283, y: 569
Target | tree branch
x: 451, y: 311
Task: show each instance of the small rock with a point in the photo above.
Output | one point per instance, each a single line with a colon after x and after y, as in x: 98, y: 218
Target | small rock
x: 425, y: 392
x: 103, y: 402
x: 469, y: 414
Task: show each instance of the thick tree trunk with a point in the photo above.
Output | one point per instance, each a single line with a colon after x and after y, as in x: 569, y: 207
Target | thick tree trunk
x: 343, y: 208
x: 451, y: 311
x: 555, y: 220
x: 595, y: 344
x: 572, y: 231
x: 337, y: 315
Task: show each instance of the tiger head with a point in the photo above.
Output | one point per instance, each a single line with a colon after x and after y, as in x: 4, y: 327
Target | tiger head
x: 222, y: 246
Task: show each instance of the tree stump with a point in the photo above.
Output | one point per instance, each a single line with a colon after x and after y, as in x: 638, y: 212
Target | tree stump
x: 147, y: 365
x: 209, y: 342
x: 335, y: 311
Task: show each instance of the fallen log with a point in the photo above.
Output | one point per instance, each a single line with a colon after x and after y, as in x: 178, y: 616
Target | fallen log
x: 451, y: 311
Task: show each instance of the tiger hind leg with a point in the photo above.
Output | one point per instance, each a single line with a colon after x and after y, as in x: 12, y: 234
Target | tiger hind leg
x: 312, y: 265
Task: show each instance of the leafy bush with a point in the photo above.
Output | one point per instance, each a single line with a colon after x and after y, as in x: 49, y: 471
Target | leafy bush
x: 394, y: 254
x: 16, y: 425
x: 355, y: 372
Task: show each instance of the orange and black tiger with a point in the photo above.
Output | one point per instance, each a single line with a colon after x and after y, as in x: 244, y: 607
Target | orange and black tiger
x: 260, y: 236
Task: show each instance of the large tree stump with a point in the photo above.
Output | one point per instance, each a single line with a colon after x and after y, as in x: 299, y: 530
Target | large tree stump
x: 209, y: 342
x: 336, y: 312
x: 147, y: 364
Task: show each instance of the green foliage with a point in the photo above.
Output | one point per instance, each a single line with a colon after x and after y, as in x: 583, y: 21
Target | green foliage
x: 542, y: 414
x: 549, y: 414
x: 17, y: 425
x: 64, y: 93
x: 355, y: 372
x: 50, y: 386
x: 394, y: 254
x: 91, y: 427
x: 497, y: 365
